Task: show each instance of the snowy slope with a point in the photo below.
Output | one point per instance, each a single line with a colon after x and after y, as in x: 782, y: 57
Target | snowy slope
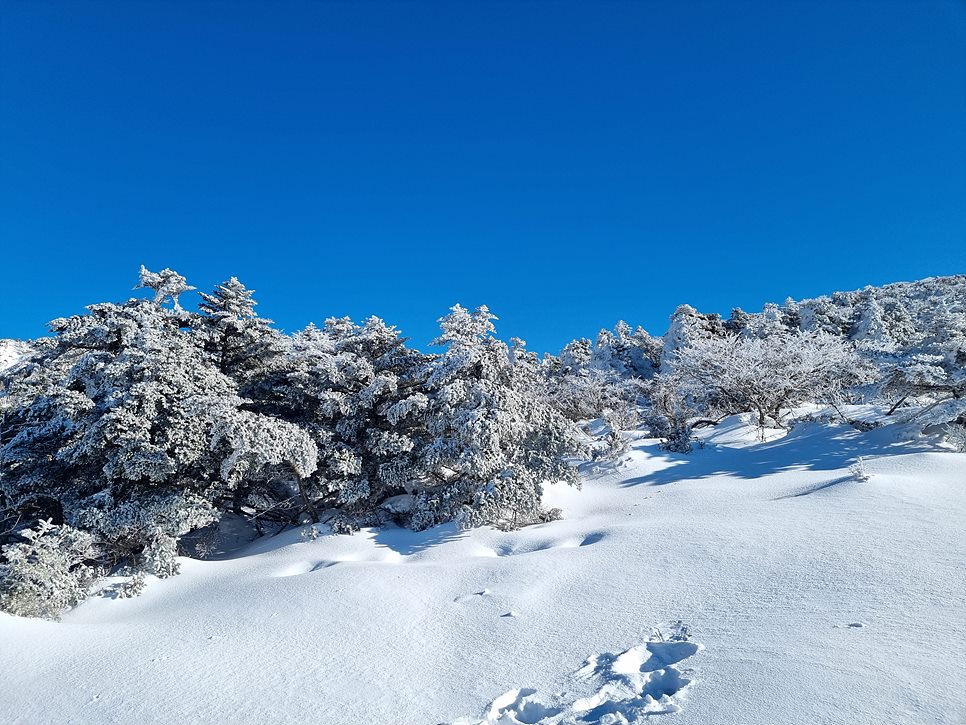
x: 810, y: 598
x: 11, y: 352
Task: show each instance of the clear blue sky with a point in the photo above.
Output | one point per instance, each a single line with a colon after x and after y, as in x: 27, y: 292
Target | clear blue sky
x: 566, y: 163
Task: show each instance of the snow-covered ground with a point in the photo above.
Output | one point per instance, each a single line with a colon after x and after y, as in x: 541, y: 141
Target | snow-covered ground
x: 809, y: 598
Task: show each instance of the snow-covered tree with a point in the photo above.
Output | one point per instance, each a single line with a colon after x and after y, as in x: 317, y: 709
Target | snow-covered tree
x: 675, y: 401
x: 688, y: 325
x: 767, y: 375
x: 493, y: 441
x: 243, y: 345
x: 870, y: 330
x: 603, y: 379
x: 122, y: 426
x: 166, y: 284
x: 355, y: 390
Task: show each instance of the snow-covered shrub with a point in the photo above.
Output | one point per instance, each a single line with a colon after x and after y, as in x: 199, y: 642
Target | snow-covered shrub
x: 672, y: 409
x: 679, y: 439
x: 145, y: 531
x: 610, y: 447
x: 623, y: 415
x: 956, y: 435
x: 48, y: 572
x: 161, y: 555
x: 587, y: 380
x: 132, y: 586
x: 858, y: 471
x: 357, y: 391
x: 766, y: 375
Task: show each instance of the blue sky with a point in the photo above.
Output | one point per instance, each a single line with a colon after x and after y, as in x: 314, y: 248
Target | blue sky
x: 566, y: 163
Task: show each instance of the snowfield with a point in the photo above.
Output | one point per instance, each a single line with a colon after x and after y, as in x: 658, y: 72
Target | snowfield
x: 805, y: 597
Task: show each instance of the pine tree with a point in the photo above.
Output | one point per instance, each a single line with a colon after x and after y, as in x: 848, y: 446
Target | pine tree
x: 243, y: 345
x: 166, y: 284
x: 492, y: 441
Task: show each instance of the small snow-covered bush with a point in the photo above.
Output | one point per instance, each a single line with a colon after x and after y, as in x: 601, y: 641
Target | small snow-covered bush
x: 956, y: 435
x: 679, y: 439
x: 613, y: 445
x: 47, y: 573
x: 622, y: 416
x: 859, y: 472
x: 131, y: 587
x: 505, y: 505
x: 673, y: 407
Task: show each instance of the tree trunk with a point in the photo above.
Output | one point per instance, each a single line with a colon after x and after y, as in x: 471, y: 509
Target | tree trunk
x: 897, y: 404
x: 307, y: 503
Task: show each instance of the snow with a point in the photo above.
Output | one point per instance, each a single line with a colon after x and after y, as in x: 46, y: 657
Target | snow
x: 12, y: 352
x: 809, y: 597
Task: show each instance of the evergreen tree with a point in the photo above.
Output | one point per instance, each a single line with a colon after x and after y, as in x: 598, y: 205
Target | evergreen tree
x: 243, y: 345
x: 492, y: 442
x: 166, y: 284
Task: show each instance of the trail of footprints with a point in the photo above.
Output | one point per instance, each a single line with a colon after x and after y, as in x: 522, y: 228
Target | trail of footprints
x: 385, y: 555
x: 626, y: 688
x: 518, y: 548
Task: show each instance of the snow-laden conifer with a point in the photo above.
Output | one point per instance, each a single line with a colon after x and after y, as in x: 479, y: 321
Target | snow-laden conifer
x: 493, y: 438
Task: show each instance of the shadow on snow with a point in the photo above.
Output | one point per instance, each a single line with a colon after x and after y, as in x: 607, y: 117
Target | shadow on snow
x: 808, y: 447
x: 407, y: 542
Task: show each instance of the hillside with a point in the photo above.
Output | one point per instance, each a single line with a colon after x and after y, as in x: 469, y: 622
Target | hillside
x: 808, y: 597
x: 329, y: 526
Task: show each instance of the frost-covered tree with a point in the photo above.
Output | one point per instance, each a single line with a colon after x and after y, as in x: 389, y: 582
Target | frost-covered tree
x: 770, y: 322
x: 767, y: 375
x: 121, y: 426
x: 870, y: 329
x: 688, y: 325
x: 675, y: 401
x: 605, y: 379
x: 120, y: 398
x: 493, y: 442
x: 355, y: 389
x: 243, y: 345
x: 166, y: 284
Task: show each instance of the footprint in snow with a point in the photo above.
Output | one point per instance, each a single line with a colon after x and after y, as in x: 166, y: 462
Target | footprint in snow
x: 629, y: 687
x: 593, y: 538
x: 303, y: 567
x: 520, y: 706
x: 639, y: 682
x: 474, y: 595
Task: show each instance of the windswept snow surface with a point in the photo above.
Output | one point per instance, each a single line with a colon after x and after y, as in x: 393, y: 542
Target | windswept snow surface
x: 809, y: 598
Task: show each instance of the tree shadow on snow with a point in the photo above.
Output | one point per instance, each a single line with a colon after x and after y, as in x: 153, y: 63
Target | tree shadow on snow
x: 809, y: 447
x: 815, y: 489
x: 408, y: 542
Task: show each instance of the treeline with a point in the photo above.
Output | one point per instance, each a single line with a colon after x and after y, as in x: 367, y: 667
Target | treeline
x: 139, y: 424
